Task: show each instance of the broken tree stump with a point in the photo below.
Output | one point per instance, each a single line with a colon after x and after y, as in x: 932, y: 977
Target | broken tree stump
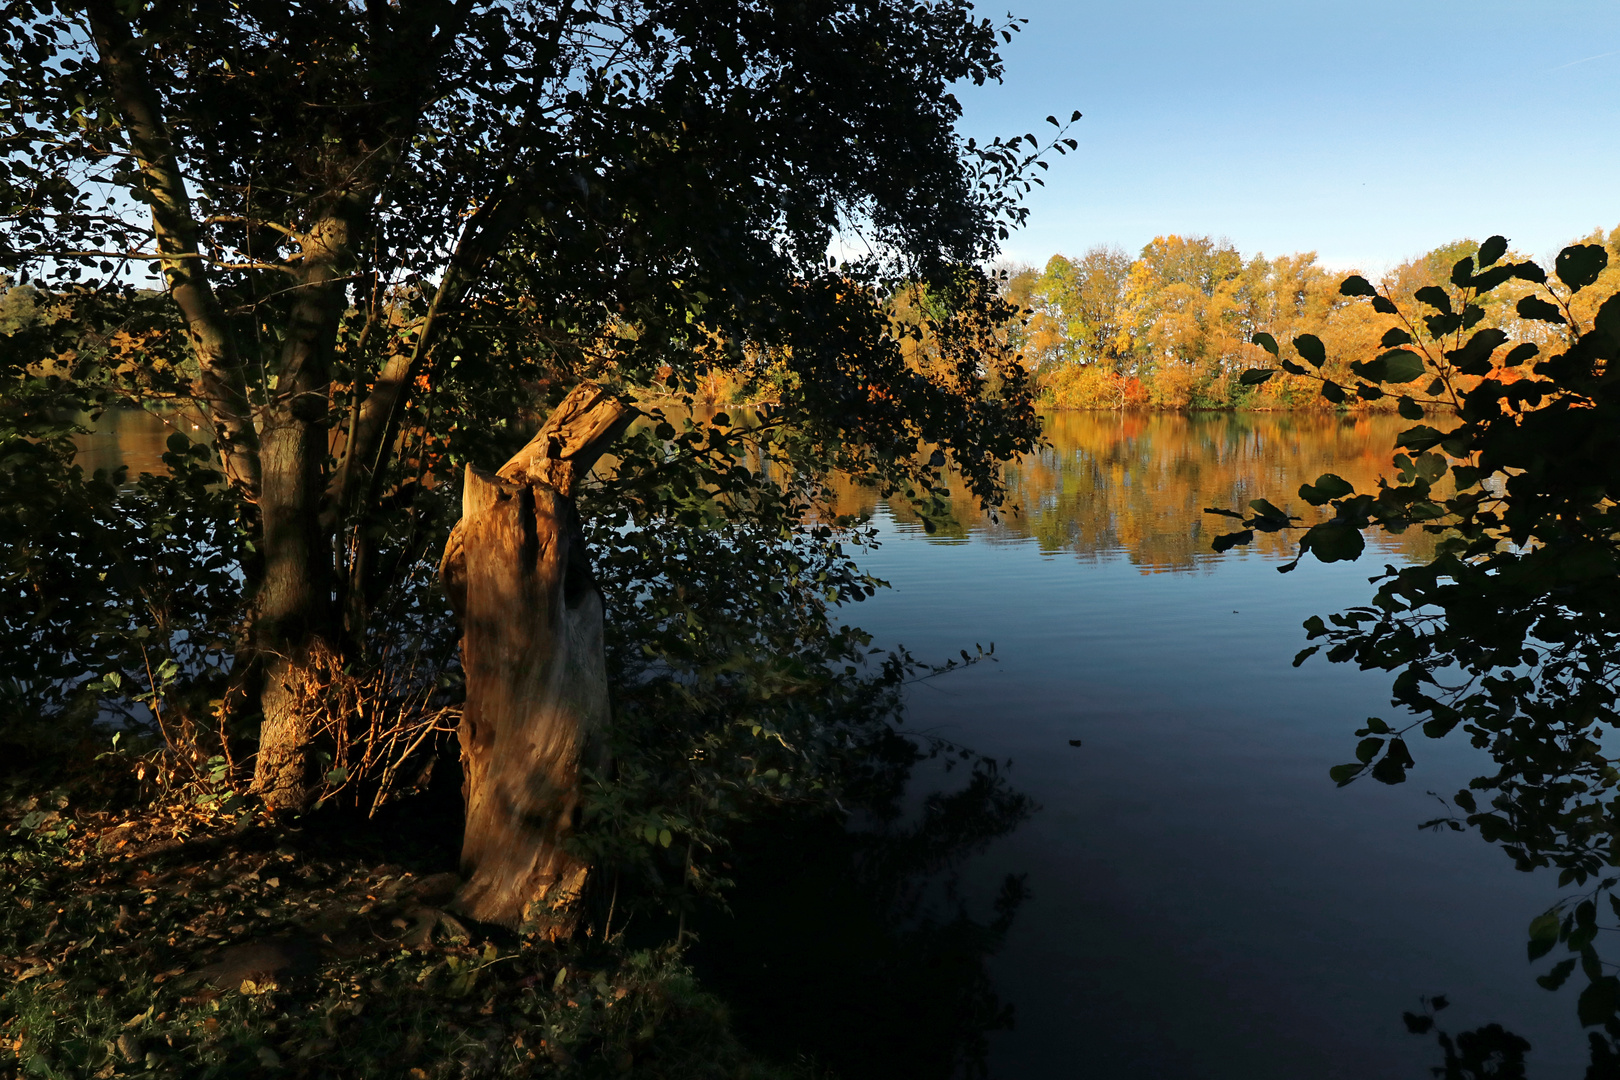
x: 532, y: 652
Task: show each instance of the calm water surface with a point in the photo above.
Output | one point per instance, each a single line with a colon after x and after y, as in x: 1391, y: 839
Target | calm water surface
x: 1206, y: 903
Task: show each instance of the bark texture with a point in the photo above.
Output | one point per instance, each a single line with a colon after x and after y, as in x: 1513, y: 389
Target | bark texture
x: 292, y: 610
x: 532, y: 652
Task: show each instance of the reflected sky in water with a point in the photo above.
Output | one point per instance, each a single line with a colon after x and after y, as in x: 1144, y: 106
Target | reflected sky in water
x: 1205, y: 902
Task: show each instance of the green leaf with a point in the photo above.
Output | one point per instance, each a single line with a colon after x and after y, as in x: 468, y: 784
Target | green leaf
x: 1486, y: 280
x: 1607, y: 320
x: 1227, y: 541
x: 665, y: 838
x: 1356, y: 285
x: 1462, y: 272
x: 1465, y: 799
x: 1529, y: 271
x: 1520, y: 353
x: 1265, y: 509
x: 1599, y: 1000
x: 1534, y: 307
x: 1256, y: 376
x: 1441, y: 325
x: 1543, y: 934
x: 1557, y: 976
x: 1367, y: 749
x: 1334, y: 392
x: 1385, y: 306
x: 1394, y: 337
x: 1309, y: 346
x: 1343, y: 774
x: 1391, y: 768
x: 1266, y: 342
x: 1430, y: 467
x: 1435, y: 297
x: 1580, y: 264
x: 1402, y: 366
x: 1421, y: 437
x: 1333, y: 541
x: 1474, y: 358
x: 1440, y: 726
x: 1328, y: 487
x: 1491, y: 250
x: 1409, y: 409
x: 177, y: 443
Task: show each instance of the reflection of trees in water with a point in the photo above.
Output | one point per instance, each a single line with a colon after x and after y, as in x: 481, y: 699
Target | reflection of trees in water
x: 1138, y: 483
x: 136, y: 438
x: 849, y: 944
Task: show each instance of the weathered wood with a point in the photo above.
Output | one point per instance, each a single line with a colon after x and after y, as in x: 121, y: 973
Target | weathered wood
x: 569, y: 443
x: 536, y: 671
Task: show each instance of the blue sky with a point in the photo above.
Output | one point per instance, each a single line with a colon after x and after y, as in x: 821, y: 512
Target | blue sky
x: 1368, y: 131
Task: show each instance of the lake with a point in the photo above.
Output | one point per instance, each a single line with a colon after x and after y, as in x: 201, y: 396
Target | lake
x: 1204, y: 902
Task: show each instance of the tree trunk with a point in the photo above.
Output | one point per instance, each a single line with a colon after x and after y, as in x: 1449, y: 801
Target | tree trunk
x: 292, y: 612
x: 536, y: 671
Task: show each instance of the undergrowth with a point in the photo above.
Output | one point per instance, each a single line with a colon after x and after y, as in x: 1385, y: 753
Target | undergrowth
x: 175, y: 933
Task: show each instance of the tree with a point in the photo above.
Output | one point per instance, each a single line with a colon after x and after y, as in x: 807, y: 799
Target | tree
x: 1184, y: 302
x: 391, y: 237
x: 1076, y: 310
x: 1511, y: 631
x: 363, y: 214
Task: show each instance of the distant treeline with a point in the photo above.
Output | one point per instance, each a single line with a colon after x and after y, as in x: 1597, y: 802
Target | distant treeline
x: 1171, y: 329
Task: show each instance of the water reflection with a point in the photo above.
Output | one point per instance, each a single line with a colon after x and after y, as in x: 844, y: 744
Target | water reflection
x: 134, y: 437
x: 1108, y: 483
x: 1205, y: 902
x: 1137, y: 483
x: 854, y: 947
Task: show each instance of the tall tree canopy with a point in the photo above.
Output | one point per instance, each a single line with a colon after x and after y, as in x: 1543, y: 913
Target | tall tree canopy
x: 387, y: 233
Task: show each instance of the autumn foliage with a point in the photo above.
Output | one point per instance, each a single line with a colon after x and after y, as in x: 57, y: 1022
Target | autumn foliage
x: 1172, y: 329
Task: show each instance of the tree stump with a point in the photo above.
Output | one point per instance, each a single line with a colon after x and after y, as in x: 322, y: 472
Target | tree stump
x: 536, y: 671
